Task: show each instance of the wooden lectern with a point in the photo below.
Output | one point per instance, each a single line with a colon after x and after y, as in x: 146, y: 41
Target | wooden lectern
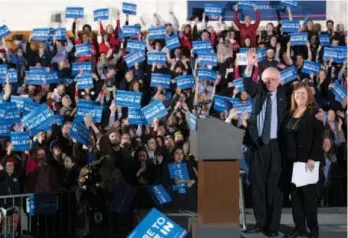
x: 217, y: 146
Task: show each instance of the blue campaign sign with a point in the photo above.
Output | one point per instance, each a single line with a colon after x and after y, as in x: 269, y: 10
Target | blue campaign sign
x: 261, y: 54
x: 155, y: 109
x: 9, y: 112
x: 84, y: 81
x: 173, y: 42
x: 238, y: 83
x: 36, y: 78
x: 311, y: 67
x: 324, y: 39
x: 339, y: 92
x: 185, y: 81
x: 42, y: 204
x: 20, y: 140
x: 342, y: 53
x: 245, y: 5
x: 5, y: 128
x: 36, y: 69
x: 20, y: 101
x: 179, y: 171
x: 86, y: 67
x: 244, y: 50
x: 160, y: 80
x: 222, y: 104
x: 83, y: 50
x: 128, y: 99
x: 299, y: 38
x: 4, y: 31
x: 12, y: 76
x: 130, y: 30
x: 243, y: 107
x: 37, y: 117
x: 206, y: 74
x: 156, y: 58
x: 80, y: 133
x: 40, y: 34
x: 192, y: 121
x: 60, y: 33
x: 156, y: 224
x: 288, y: 75
x: 290, y: 26
x: 201, y: 46
x: 134, y: 57
x: 289, y: 3
x: 29, y: 106
x: 129, y: 8
x: 3, y: 72
x: 84, y: 108
x: 212, y: 10
x: 156, y: 33
x: 52, y: 77
x: 159, y: 194
x: 133, y: 45
x: 136, y: 117
x: 207, y: 59
x: 102, y: 14
x: 337, y: 54
x: 74, y: 12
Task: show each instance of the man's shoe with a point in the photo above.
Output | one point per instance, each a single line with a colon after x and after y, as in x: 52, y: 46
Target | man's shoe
x: 313, y: 235
x: 254, y: 230
x: 297, y: 233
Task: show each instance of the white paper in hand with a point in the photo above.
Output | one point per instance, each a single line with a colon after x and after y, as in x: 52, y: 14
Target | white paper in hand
x: 301, y: 177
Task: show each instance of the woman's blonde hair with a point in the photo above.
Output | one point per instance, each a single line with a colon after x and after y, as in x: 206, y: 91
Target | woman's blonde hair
x: 311, y: 104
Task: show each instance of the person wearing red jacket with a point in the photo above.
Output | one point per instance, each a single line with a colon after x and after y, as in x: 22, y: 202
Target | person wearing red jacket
x: 186, y: 40
x: 105, y: 47
x: 112, y: 34
x: 247, y: 29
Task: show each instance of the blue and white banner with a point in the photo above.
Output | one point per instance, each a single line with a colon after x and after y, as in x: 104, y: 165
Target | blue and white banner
x: 243, y: 50
x: 36, y: 78
x: 311, y: 67
x: 20, y: 141
x: 207, y: 59
x: 102, y: 14
x: 261, y: 54
x: 212, y: 10
x: 245, y: 5
x: 3, y: 72
x: 156, y: 58
x: 52, y: 77
x: 4, y: 31
x: 136, y: 117
x: 160, y: 80
x: 134, y: 57
x: 159, y: 194
x: 83, y: 50
x: 42, y: 204
x: 290, y: 26
x: 324, y: 39
x: 243, y: 107
x: 84, y: 108
x: 5, y: 128
x: 36, y: 69
x: 86, y: 67
x: 158, y: 225
x: 29, y: 106
x: 40, y: 34
x: 222, y: 104
x: 133, y: 45
x: 206, y: 74
x: 342, y: 53
x: 60, y: 33
x: 155, y: 109
x: 180, y: 172
x: 201, y: 46
x: 37, y: 117
x: 337, y: 54
x: 238, y: 83
x: 130, y: 30
x: 74, y: 12
x: 80, y: 133
x: 12, y: 75
x: 289, y: 3
x: 128, y: 99
x: 9, y: 112
x: 173, y: 42
x: 20, y: 101
x: 192, y: 121
x: 129, y: 8
x: 298, y: 38
x: 84, y: 81
x: 156, y: 33
x: 185, y: 81
x: 339, y: 92
x: 288, y: 75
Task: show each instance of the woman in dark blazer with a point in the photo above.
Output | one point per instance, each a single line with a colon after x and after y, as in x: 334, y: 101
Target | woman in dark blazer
x: 301, y: 141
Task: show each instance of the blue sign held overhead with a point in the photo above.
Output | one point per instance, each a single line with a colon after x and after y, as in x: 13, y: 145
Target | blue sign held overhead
x: 84, y: 81
x: 311, y: 67
x: 40, y: 34
x: 128, y: 99
x: 201, y: 46
x: 36, y: 78
x: 74, y: 12
x: 337, y: 54
x: 130, y: 31
x: 134, y: 57
x: 4, y: 31
x: 288, y: 75
x: 222, y: 104
x: 37, y: 117
x: 243, y: 107
x: 9, y: 112
x: 3, y: 72
x: 129, y: 8
x: 80, y: 133
x: 83, y: 50
x: 156, y: 58
x: 19, y: 100
x: 261, y: 54
x: 52, y: 77
x: 86, y: 67
x: 101, y: 14
x: 60, y: 33
x: 156, y: 33
x: 5, y: 128
x: 290, y: 26
x: 185, y: 81
x: 207, y: 59
x: 212, y: 10
x: 159, y: 194
x: 136, y: 117
x: 238, y: 83
x: 158, y: 225
x: 160, y: 80
x: 298, y: 38
x: 133, y: 45
x: 339, y: 92
x: 245, y: 5
x: 324, y: 39
x: 12, y: 76
x: 206, y: 74
x: 20, y: 141
x: 173, y: 42
x: 155, y: 109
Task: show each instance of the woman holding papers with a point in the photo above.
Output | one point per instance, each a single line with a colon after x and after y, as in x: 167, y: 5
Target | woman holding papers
x: 301, y: 139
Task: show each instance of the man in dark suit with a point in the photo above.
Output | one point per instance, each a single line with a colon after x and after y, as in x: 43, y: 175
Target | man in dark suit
x: 270, y: 103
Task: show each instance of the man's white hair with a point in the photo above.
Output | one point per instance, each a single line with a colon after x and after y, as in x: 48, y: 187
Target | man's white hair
x: 271, y: 70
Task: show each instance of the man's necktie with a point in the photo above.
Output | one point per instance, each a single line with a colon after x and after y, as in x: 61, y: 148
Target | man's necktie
x: 266, y: 132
